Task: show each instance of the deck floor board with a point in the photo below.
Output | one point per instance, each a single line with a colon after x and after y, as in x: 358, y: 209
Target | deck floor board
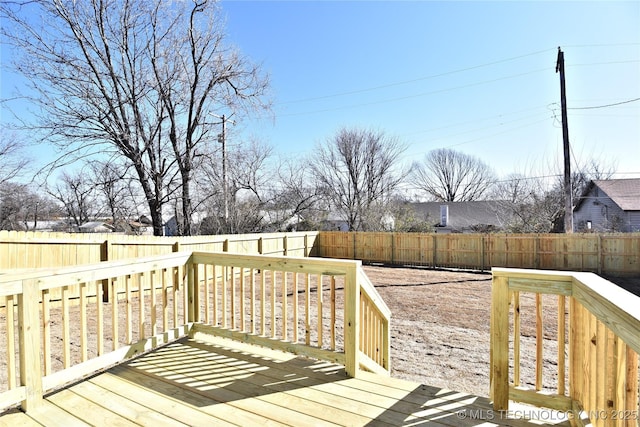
x: 215, y: 381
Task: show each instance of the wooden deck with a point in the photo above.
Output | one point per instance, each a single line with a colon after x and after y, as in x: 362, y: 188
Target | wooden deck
x: 217, y: 382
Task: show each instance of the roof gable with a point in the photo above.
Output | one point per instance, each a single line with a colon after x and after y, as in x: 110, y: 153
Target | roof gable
x: 464, y: 215
x: 624, y: 192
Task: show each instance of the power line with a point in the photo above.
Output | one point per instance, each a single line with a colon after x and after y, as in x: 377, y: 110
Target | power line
x: 416, y: 95
x: 606, y: 105
x: 446, y: 73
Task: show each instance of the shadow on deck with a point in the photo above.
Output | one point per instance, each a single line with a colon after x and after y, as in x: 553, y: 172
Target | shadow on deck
x: 215, y: 381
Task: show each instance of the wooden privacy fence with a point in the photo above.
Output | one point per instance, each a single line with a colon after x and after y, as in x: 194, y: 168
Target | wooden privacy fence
x: 327, y: 309
x: 19, y: 249
x: 592, y: 343
x: 608, y: 254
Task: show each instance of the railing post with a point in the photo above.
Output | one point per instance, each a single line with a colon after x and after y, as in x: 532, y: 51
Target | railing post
x: 499, y: 348
x: 351, y: 320
x: 192, y: 292
x: 29, y: 332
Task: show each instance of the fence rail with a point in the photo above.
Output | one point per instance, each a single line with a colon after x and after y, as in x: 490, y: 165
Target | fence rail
x: 605, y: 254
x: 596, y: 363
x: 297, y: 304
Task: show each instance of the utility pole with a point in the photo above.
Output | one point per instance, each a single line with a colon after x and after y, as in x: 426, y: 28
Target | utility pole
x: 568, y: 198
x: 222, y: 139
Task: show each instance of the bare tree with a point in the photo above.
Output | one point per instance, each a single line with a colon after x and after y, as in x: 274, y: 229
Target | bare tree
x: 295, y: 200
x: 135, y: 78
x: 525, y: 205
x: 12, y: 157
x: 23, y: 209
x: 78, y: 196
x: 248, y: 177
x: 528, y: 204
x: 114, y: 187
x: 452, y: 176
x: 358, y: 172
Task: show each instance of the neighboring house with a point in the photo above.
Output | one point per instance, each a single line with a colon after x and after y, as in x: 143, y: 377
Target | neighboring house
x: 462, y: 217
x: 96, y: 227
x: 609, y: 205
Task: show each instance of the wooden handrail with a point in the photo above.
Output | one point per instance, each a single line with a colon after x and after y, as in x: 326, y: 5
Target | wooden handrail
x: 603, y: 344
x: 173, y: 293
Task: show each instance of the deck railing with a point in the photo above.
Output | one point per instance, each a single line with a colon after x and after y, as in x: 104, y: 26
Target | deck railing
x: 595, y: 337
x: 57, y: 327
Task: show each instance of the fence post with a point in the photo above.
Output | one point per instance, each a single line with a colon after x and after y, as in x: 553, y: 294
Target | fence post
x: 393, y: 248
x: 600, y: 255
x: 105, y: 254
x: 354, y: 244
x: 29, y: 332
x: 482, y: 236
x: 435, y: 250
x: 499, y: 347
x: 351, y: 320
x: 284, y: 245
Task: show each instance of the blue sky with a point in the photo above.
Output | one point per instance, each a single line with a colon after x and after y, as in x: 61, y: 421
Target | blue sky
x: 477, y: 77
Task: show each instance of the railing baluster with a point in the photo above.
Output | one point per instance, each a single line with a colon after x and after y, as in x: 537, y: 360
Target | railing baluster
x: 516, y: 337
x: 142, y: 321
x: 539, y: 341
x: 46, y: 331
x: 207, y: 290
x: 319, y: 303
x: 562, y: 324
x: 631, y: 392
x: 253, y: 301
x: 11, y: 344
x: 333, y: 312
x: 99, y: 317
x: 285, y: 305
x: 82, y: 288
x: 129, y: 311
x: 232, y: 296
x: 175, y: 291
x: 273, y: 303
x: 601, y: 369
x: 215, y: 295
x: 113, y: 297
x: 243, y: 318
x: 592, y: 369
x: 263, y: 300
x: 66, y: 339
x: 295, y: 307
x: 224, y: 296
x: 165, y: 300
x: 307, y: 310
x: 154, y: 303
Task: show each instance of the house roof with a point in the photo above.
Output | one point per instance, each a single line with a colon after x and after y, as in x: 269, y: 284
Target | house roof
x: 624, y: 192
x: 463, y: 215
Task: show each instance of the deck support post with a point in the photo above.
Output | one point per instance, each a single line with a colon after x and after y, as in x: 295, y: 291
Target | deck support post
x: 499, y: 353
x: 351, y: 321
x: 29, y: 333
